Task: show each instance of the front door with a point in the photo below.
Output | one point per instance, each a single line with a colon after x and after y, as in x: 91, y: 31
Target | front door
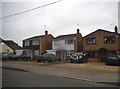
x: 102, y: 54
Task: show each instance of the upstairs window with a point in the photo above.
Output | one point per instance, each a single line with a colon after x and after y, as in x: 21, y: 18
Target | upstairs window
x: 56, y: 43
x: 109, y: 39
x: 35, y: 42
x: 91, y: 41
x: 70, y: 41
x: 27, y: 43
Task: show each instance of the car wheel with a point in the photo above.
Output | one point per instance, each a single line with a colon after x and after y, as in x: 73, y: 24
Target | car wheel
x: 38, y: 60
x: 106, y: 63
x: 71, y: 61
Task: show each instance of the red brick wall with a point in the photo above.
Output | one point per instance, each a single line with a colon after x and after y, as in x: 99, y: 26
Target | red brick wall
x: 78, y: 43
x: 45, y: 43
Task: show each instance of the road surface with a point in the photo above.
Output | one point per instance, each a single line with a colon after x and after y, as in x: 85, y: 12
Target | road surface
x: 0, y: 77
x: 15, y: 78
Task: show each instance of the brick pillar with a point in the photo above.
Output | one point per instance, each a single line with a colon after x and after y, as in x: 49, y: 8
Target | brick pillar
x: 78, y: 42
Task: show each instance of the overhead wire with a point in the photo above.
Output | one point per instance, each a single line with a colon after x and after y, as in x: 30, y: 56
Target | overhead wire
x: 31, y: 9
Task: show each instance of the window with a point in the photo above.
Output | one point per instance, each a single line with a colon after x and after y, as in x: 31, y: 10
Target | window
x: 92, y: 54
x: 109, y: 39
x: 70, y: 41
x: 91, y: 40
x: 35, y: 42
x: 26, y: 43
x: 56, y: 43
x: 36, y: 52
x: 70, y: 52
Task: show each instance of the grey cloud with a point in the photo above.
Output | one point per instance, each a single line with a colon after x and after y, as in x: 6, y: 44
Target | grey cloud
x: 61, y: 18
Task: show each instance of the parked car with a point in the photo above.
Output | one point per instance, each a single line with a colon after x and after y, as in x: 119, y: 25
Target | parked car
x: 46, y: 57
x: 12, y: 56
x: 78, y: 57
x: 7, y: 56
x: 21, y: 57
x: 39, y: 58
x: 113, y: 59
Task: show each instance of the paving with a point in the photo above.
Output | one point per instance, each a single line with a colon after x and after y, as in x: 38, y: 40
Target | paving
x: 90, y: 75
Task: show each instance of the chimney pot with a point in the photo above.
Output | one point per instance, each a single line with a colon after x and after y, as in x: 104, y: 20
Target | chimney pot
x: 46, y: 32
x: 116, y: 29
x: 77, y: 30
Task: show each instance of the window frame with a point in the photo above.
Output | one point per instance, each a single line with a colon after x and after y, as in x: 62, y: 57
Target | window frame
x: 27, y: 43
x: 69, y: 41
x: 56, y: 43
x: 110, y: 41
x: 36, y: 52
x: 35, y: 42
x: 91, y: 41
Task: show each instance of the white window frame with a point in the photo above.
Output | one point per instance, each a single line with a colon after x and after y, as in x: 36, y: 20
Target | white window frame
x: 56, y: 43
x: 27, y: 43
x: 69, y: 41
x: 36, y: 52
x: 35, y: 42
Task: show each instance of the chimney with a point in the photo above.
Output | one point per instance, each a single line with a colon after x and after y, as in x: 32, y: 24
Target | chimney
x: 46, y: 32
x: 77, y: 31
x: 116, y: 29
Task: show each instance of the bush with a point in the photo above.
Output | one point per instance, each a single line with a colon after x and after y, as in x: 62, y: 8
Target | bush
x: 50, y: 57
x: 46, y: 57
x: 38, y: 58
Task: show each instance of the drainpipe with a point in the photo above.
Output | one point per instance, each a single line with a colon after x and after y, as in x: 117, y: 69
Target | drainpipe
x: 75, y: 44
x: 117, y: 45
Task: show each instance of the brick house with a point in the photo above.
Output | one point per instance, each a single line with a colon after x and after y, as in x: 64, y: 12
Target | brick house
x: 100, y: 43
x: 64, y: 45
x: 37, y: 45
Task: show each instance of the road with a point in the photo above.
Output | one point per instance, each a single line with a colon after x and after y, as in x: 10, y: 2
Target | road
x: 15, y: 78
x: 0, y: 73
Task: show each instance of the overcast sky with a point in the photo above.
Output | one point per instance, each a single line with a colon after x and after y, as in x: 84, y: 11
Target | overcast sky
x: 60, y: 18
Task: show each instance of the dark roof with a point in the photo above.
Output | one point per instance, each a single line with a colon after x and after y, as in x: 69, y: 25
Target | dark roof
x: 34, y: 37
x: 65, y: 36
x: 101, y: 30
x: 1, y: 40
x: 12, y: 44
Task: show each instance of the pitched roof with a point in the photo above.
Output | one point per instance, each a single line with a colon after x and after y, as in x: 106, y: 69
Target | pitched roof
x: 65, y: 36
x: 12, y: 44
x: 1, y: 40
x: 101, y: 30
x: 34, y: 37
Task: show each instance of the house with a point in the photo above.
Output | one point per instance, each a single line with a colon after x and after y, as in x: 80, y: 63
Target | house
x: 9, y: 46
x: 37, y: 45
x: 64, y: 45
x: 4, y: 47
x: 100, y: 43
x: 15, y: 47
